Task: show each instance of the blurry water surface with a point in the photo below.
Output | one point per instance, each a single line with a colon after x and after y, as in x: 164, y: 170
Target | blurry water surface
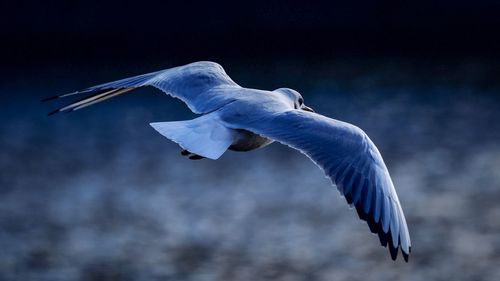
x: 99, y: 195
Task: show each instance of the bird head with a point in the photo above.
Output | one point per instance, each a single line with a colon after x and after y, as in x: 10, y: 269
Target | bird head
x: 295, y: 98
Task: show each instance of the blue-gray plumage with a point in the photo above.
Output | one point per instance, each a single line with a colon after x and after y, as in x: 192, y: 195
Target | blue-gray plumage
x: 243, y: 119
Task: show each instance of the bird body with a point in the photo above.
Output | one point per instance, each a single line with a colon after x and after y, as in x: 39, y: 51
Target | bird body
x: 243, y: 119
x: 247, y: 141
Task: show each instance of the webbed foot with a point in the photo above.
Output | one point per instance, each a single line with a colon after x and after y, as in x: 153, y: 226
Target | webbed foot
x: 190, y: 155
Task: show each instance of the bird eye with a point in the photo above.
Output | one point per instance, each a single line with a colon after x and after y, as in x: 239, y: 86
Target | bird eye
x: 301, y: 101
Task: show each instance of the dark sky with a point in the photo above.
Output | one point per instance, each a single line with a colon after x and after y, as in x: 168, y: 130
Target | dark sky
x: 53, y: 31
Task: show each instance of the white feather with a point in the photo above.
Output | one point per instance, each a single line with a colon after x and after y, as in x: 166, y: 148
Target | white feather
x: 204, y: 135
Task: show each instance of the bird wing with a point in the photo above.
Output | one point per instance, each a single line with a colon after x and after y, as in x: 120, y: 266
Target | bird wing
x: 196, y: 84
x: 351, y: 161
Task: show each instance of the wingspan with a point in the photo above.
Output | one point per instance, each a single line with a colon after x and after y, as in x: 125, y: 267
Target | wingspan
x: 197, y: 84
x: 352, y: 162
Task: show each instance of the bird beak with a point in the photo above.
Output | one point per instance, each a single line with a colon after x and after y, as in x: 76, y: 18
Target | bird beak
x: 307, y: 108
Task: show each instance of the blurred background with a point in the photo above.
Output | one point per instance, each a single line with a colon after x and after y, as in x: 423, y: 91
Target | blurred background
x: 99, y: 195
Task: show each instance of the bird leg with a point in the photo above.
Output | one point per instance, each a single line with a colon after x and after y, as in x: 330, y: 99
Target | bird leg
x: 190, y: 155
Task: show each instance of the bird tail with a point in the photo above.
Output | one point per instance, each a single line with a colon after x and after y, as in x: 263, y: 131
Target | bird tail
x: 204, y: 135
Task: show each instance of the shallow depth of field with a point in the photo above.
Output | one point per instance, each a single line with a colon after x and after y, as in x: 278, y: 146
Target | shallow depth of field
x: 99, y: 195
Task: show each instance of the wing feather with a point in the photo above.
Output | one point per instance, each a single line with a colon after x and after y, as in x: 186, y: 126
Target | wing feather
x: 349, y: 158
x: 195, y: 84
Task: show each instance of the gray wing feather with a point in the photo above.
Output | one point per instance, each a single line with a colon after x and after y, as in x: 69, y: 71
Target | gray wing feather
x: 351, y: 161
x: 197, y: 84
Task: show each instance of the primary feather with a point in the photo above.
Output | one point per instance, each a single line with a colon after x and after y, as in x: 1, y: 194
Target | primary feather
x: 194, y: 84
x: 351, y: 161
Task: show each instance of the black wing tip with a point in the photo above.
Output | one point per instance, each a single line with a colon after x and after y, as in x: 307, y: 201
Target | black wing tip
x: 53, y: 112
x: 65, y: 95
x: 49, y: 98
x: 361, y: 213
x: 374, y: 227
x: 393, y: 250
x: 406, y: 256
x: 384, y: 237
x: 386, y: 241
x: 59, y: 110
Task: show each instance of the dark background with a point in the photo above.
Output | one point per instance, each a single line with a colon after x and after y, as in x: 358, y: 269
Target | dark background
x: 58, y: 31
x: 98, y: 195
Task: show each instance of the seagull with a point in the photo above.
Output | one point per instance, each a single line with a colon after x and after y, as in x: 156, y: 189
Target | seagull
x: 243, y: 119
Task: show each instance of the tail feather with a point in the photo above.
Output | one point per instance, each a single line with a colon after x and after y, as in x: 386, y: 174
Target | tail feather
x: 204, y: 135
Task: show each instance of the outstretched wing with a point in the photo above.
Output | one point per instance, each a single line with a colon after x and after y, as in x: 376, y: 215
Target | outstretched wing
x: 352, y: 162
x: 197, y: 84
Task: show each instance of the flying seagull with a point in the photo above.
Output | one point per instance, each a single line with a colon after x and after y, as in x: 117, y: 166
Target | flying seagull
x: 244, y: 119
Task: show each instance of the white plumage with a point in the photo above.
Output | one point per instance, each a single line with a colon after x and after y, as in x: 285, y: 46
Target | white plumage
x: 243, y: 119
